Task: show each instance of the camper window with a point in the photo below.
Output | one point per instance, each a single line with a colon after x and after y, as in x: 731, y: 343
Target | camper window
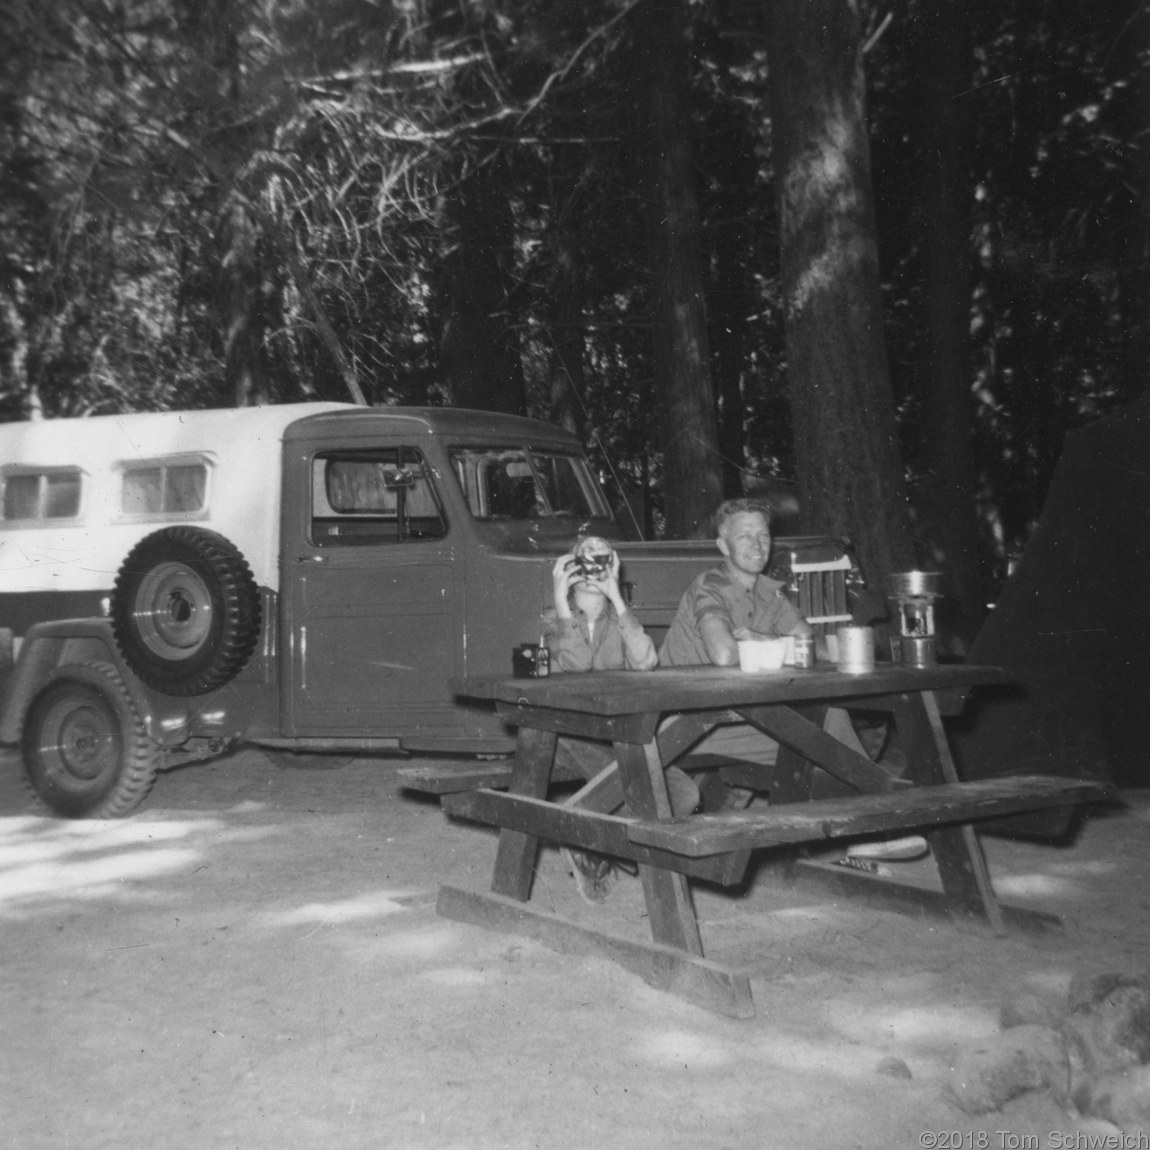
x: 40, y: 495
x: 159, y: 487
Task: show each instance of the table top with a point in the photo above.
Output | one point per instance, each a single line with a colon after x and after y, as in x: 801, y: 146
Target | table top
x: 698, y: 688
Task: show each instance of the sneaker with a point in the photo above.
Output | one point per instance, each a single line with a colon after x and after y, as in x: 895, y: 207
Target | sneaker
x: 682, y: 791
x: 594, y: 874
x: 869, y: 866
x: 894, y: 850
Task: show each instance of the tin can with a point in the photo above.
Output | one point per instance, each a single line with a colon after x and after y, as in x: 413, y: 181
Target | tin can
x: 919, y: 651
x: 804, y: 651
x: 856, y: 649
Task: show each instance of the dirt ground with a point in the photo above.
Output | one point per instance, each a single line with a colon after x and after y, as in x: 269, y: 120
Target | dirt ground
x: 253, y: 960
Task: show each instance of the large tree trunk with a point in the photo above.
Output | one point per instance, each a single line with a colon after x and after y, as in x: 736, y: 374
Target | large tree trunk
x: 565, y: 354
x: 215, y: 26
x: 691, y: 476
x: 241, y: 299
x: 850, y: 473
x: 1133, y: 47
x: 479, y: 350
x: 944, y: 501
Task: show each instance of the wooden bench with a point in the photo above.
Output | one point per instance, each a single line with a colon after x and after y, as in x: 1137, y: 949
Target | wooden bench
x: 448, y: 778
x: 912, y: 808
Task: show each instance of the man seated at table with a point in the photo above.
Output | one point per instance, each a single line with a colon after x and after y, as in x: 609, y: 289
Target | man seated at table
x: 591, y: 628
x: 733, y: 601
x: 737, y: 601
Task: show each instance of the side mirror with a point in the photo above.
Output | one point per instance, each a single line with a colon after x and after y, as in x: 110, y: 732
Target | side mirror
x: 396, y: 477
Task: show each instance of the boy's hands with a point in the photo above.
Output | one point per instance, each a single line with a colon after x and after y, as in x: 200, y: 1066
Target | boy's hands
x: 566, y: 574
x: 608, y: 583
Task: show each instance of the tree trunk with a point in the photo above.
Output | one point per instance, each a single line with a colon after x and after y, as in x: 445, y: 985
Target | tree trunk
x: 944, y: 501
x: 692, y: 482
x: 846, y: 447
x: 479, y: 351
x: 1132, y: 48
x: 241, y: 297
x: 216, y: 26
x: 565, y: 355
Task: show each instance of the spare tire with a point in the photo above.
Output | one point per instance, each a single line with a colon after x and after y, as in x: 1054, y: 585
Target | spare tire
x: 185, y: 610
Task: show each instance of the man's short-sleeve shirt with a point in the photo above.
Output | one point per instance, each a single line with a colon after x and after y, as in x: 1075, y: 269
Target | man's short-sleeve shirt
x: 764, y: 609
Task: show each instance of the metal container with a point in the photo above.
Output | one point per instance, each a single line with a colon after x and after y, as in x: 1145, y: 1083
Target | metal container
x: 804, y: 646
x: 916, y: 584
x: 855, y: 649
x: 919, y: 651
x: 530, y: 661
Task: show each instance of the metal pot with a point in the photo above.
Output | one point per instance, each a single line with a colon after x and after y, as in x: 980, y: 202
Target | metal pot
x: 910, y: 584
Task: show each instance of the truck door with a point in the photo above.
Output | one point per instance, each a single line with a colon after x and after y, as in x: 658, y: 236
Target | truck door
x: 371, y: 595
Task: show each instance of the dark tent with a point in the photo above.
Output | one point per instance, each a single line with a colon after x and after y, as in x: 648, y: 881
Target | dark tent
x: 1073, y: 623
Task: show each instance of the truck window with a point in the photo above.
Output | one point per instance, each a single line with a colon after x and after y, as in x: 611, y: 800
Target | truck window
x: 163, y: 487
x: 372, y: 497
x: 513, y: 483
x: 44, y: 494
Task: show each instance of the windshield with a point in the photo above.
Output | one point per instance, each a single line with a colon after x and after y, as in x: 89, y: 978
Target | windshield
x: 518, y: 483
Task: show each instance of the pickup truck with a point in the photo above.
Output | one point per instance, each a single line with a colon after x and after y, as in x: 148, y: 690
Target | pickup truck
x: 307, y: 577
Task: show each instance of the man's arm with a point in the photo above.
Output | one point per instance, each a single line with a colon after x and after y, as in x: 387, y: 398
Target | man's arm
x: 719, y: 639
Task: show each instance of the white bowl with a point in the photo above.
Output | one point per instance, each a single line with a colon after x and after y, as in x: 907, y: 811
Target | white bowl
x: 762, y: 654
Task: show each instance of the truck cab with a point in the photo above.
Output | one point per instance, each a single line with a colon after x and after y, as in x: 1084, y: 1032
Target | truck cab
x: 308, y: 577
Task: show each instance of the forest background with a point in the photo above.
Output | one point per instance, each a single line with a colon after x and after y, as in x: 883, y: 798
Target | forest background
x: 890, y: 250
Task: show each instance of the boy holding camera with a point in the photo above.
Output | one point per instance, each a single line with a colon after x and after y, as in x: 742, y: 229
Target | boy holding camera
x: 591, y: 628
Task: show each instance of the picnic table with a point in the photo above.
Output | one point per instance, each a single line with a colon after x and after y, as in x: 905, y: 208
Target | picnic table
x: 654, y: 719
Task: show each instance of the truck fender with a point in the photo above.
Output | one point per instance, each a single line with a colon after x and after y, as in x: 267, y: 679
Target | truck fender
x: 47, y: 646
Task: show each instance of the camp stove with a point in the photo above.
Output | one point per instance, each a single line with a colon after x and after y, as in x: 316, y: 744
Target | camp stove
x: 915, y: 592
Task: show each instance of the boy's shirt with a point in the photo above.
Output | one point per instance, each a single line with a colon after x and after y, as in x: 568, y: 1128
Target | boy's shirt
x: 615, y: 644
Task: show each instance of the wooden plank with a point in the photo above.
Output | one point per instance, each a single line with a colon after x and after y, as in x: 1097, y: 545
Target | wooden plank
x: 436, y: 778
x: 670, y: 911
x: 956, y: 849
x: 447, y: 778
x: 793, y: 730
x: 915, y: 807
x: 639, y: 728
x: 517, y: 852
x: 665, y: 689
x: 690, y: 977
x: 591, y: 830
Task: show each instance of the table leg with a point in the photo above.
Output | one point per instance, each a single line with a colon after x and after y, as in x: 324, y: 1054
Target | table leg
x: 957, y: 851
x: 530, y: 775
x: 669, y: 905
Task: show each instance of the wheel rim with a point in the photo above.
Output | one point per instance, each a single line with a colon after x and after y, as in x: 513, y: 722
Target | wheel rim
x: 174, y: 611
x: 80, y: 743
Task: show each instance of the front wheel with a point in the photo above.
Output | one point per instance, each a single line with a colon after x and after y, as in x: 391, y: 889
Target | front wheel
x: 86, y: 751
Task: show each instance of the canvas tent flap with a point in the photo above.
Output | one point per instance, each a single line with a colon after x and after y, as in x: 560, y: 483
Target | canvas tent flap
x: 1073, y: 622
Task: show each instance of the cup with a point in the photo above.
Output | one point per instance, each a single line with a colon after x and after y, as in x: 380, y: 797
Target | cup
x: 855, y: 649
x: 762, y: 654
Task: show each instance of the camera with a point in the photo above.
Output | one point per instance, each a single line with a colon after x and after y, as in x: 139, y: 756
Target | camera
x: 593, y: 557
